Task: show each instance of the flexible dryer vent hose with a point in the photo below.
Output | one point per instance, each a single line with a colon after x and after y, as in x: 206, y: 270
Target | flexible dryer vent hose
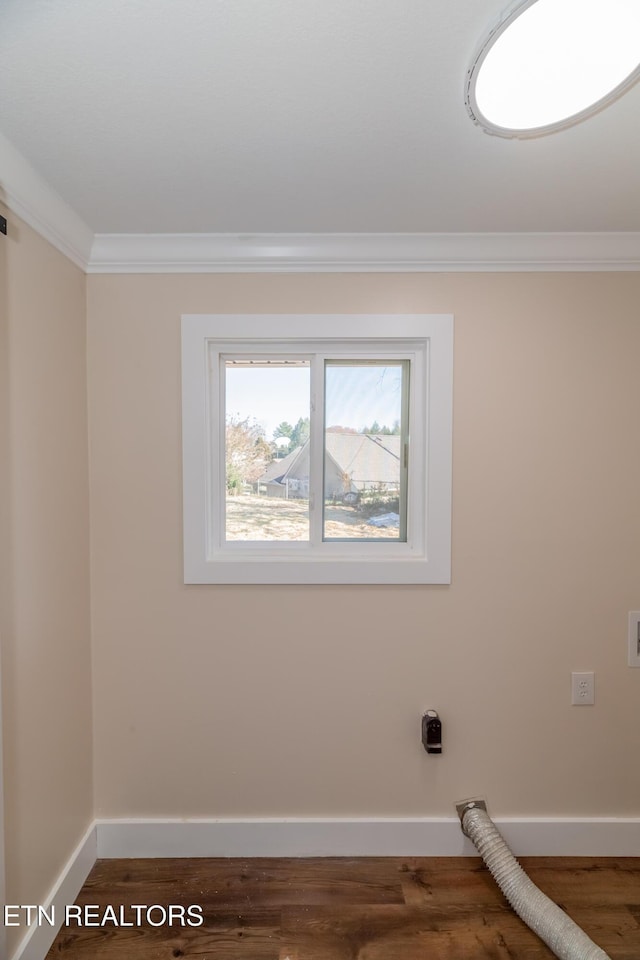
x: 567, y: 940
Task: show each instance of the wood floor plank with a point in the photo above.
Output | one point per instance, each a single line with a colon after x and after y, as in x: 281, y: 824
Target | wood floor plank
x: 350, y: 909
x: 258, y: 881
x: 585, y: 880
x: 612, y: 927
x: 210, y: 943
x: 446, y: 880
x: 412, y: 933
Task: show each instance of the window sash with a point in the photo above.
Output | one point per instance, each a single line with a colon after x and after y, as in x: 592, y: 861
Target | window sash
x: 218, y: 415
x: 404, y: 363
x: 334, y: 353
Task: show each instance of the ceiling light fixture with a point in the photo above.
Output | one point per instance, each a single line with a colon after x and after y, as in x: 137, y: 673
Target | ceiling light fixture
x: 549, y: 64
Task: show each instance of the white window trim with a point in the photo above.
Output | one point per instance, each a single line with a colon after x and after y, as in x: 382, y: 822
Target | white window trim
x: 426, y: 557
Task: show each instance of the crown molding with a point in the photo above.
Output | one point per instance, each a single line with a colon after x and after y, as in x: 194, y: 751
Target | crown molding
x: 362, y: 252
x: 31, y: 198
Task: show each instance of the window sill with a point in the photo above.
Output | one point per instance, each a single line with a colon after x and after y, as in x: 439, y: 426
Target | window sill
x: 330, y: 570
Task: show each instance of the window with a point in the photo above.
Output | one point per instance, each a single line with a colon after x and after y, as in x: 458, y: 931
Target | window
x: 317, y: 449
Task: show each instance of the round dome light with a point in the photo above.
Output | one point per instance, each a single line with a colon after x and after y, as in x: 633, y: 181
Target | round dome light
x: 551, y: 63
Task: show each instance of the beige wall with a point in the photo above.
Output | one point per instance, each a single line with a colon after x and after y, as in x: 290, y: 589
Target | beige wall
x: 45, y: 625
x: 306, y: 701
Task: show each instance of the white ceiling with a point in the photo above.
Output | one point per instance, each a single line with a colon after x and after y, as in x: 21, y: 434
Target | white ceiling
x: 280, y: 116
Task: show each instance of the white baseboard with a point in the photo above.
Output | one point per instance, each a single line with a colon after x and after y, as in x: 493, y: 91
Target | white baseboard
x: 429, y: 837
x: 280, y: 838
x: 36, y: 942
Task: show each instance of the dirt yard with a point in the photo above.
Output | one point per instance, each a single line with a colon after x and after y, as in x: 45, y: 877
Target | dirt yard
x: 268, y: 518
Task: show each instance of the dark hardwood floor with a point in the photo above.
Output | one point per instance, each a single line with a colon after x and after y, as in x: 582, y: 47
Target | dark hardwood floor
x: 344, y: 909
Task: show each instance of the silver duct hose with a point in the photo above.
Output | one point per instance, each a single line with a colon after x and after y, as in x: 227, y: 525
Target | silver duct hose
x: 567, y: 940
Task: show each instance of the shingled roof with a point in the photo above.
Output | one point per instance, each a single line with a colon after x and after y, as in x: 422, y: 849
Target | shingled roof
x: 364, y: 457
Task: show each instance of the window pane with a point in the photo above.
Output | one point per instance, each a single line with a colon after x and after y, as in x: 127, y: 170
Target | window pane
x: 366, y: 405
x: 267, y: 449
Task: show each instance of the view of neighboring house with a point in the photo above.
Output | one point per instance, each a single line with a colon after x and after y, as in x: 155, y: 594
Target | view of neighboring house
x: 355, y: 463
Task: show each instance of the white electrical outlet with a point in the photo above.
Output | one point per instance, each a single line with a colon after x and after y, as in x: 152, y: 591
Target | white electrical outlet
x: 634, y: 638
x: 583, y: 689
